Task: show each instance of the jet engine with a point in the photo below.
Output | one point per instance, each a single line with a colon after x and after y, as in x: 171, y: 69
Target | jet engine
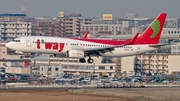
x: 75, y: 54
x: 18, y: 52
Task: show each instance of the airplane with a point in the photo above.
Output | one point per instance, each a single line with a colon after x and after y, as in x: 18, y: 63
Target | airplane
x: 89, y: 47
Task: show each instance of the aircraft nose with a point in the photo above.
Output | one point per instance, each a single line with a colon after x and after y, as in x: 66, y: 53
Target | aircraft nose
x: 8, y: 45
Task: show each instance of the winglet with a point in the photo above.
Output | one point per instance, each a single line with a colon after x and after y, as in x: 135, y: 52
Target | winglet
x: 85, y: 35
x: 134, y: 39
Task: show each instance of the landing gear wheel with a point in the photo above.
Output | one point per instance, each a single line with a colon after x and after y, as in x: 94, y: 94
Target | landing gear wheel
x: 21, y: 57
x: 82, y: 60
x: 90, y: 60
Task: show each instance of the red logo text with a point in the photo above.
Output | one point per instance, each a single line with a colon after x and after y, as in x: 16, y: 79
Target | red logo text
x: 51, y: 45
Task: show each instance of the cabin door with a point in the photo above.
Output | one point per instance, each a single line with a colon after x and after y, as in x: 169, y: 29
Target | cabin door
x: 28, y: 42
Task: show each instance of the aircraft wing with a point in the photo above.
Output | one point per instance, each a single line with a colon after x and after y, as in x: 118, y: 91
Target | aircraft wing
x: 98, y: 51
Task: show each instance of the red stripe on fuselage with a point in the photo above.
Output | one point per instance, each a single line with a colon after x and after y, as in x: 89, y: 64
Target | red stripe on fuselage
x: 107, y: 42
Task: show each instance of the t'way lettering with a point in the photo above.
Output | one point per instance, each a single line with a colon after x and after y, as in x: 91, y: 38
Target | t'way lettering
x: 55, y: 47
x: 50, y: 45
x: 38, y: 43
x: 61, y: 47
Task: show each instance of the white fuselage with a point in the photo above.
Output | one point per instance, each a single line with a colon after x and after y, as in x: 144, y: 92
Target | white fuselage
x: 61, y: 45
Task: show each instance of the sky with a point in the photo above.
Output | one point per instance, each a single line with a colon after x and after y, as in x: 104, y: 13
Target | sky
x: 93, y: 8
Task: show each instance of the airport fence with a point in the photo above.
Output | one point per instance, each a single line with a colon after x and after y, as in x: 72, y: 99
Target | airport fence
x: 92, y: 85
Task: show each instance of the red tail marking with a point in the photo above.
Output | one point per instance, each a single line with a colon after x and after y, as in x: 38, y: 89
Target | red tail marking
x: 145, y: 37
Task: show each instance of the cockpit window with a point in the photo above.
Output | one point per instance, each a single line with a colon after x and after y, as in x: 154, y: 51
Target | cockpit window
x: 16, y: 40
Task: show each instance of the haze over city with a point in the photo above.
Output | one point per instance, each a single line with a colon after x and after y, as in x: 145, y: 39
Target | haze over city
x: 92, y: 8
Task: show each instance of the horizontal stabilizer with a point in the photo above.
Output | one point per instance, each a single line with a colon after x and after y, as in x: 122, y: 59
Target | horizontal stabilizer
x: 158, y: 45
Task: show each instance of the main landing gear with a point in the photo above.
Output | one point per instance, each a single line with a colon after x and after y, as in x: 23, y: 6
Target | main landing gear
x: 89, y: 60
x: 21, y: 57
x: 82, y: 60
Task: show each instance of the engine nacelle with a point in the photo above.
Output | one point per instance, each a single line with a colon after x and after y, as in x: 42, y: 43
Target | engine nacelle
x: 75, y: 54
x: 18, y: 52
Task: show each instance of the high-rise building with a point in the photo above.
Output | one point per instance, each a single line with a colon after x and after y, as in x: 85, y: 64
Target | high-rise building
x: 72, y: 26
x: 47, y: 27
x: 11, y: 30
x: 72, y: 23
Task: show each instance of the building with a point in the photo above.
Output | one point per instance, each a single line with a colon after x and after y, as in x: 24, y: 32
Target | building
x: 42, y: 26
x: 72, y: 26
x: 16, y: 66
x: 68, y: 26
x: 14, y: 70
x: 3, y: 51
x: 116, y: 26
x: 50, y: 70
x: 13, y: 17
x: 72, y: 65
x: 85, y: 20
x: 11, y: 30
x: 127, y: 64
x: 175, y: 49
x: 130, y: 16
x: 172, y: 23
x: 157, y: 63
x: 84, y: 69
x: 101, y: 29
x: 36, y: 71
x: 171, y: 31
x: 98, y: 21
